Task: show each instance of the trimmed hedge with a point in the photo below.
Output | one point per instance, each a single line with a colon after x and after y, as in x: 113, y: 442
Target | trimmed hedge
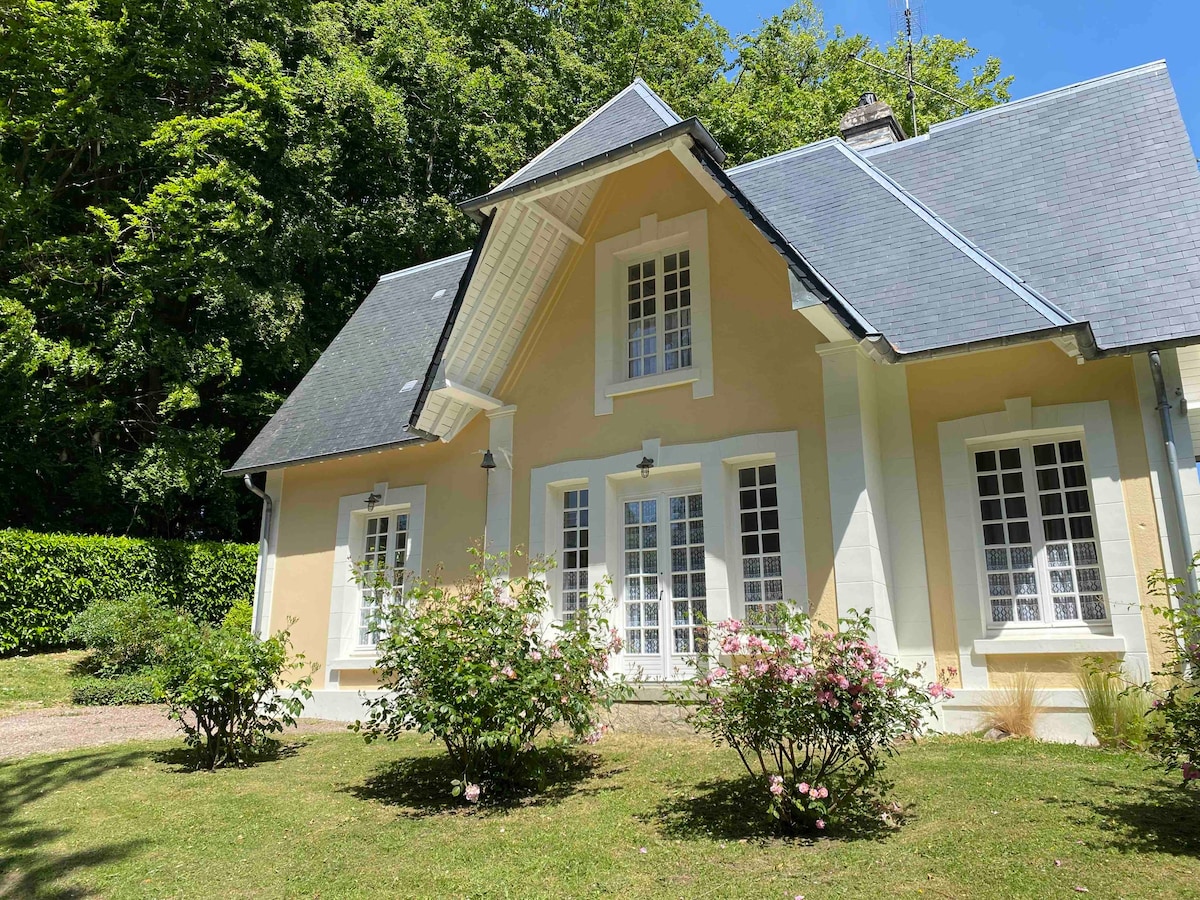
x: 45, y: 579
x: 118, y: 690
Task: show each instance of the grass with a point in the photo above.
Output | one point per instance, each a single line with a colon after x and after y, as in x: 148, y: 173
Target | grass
x: 35, y: 682
x: 336, y: 818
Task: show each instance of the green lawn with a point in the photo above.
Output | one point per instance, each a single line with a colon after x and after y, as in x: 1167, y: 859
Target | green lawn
x: 33, y: 682
x: 336, y: 818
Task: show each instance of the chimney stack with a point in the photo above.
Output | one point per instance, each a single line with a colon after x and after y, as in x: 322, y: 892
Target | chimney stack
x: 870, y: 124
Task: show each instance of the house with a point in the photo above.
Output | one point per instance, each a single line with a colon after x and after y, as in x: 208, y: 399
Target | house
x: 918, y: 377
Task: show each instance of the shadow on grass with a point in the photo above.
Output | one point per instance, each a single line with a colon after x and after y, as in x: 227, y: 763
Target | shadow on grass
x: 185, y: 759
x: 420, y: 786
x: 735, y: 809
x: 1160, y: 818
x: 28, y: 868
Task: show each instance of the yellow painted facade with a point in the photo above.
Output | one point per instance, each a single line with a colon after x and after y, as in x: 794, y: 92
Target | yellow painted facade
x: 767, y: 378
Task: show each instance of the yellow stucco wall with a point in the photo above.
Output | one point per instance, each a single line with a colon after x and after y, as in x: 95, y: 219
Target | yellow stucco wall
x: 957, y: 387
x: 308, y: 517
x: 767, y: 377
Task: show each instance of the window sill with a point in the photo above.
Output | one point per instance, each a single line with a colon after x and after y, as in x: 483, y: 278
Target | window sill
x: 673, y: 378
x: 365, y: 661
x: 1061, y: 644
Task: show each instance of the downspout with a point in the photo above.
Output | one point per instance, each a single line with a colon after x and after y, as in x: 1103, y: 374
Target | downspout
x: 264, y: 539
x: 1168, y: 434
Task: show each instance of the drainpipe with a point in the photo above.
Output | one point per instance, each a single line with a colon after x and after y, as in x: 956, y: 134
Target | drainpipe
x: 264, y: 538
x: 1168, y: 434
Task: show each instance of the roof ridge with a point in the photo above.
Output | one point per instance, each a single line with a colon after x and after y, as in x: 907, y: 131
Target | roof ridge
x: 1042, y: 306
x: 655, y: 102
x: 637, y: 86
x: 425, y: 265
x: 1053, y: 93
x: 783, y: 155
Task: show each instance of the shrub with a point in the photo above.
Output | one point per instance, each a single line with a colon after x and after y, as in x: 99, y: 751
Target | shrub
x: 124, y: 634
x: 480, y: 669
x: 1015, y: 708
x: 812, y: 712
x: 46, y: 579
x: 114, y: 690
x: 228, y: 690
x: 1118, y: 713
x: 240, y: 615
x: 1174, y: 732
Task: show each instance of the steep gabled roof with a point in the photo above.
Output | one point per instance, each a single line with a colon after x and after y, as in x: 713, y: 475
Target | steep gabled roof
x: 908, y: 275
x: 1089, y: 193
x: 362, y: 391
x: 1073, y: 211
x: 632, y: 118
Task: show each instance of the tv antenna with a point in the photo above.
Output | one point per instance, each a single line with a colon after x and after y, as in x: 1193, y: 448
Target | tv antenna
x: 908, y: 16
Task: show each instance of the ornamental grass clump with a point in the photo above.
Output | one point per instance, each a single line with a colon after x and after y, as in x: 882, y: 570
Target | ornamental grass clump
x: 813, y: 713
x: 481, y: 668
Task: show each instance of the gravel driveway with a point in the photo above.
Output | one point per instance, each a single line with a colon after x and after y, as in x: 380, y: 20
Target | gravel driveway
x: 69, y: 727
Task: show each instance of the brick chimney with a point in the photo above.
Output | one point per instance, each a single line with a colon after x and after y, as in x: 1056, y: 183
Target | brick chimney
x: 870, y: 124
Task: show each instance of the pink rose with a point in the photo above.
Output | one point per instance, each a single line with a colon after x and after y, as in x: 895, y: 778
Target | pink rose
x: 471, y: 792
x: 719, y: 672
x: 821, y: 823
x: 776, y: 785
x: 802, y: 787
x: 796, y: 642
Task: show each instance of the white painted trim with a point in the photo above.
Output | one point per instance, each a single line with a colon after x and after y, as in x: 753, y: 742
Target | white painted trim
x: 654, y: 382
x: 608, y: 478
x: 468, y: 396
x: 690, y: 232
x: 595, y: 174
x: 689, y: 162
x: 555, y: 221
x: 1021, y: 419
x: 342, y: 642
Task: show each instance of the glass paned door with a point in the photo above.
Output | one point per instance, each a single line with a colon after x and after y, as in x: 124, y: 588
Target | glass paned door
x: 642, y: 594
x: 664, y: 611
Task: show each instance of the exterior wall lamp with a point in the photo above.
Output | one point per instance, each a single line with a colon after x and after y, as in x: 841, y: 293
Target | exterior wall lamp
x: 645, y: 466
x: 372, y: 499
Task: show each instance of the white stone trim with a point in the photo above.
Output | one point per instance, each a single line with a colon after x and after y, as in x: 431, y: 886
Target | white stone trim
x: 687, y: 232
x: 264, y: 580
x: 342, y: 649
x: 609, y: 478
x: 686, y: 375
x: 1175, y: 555
x: 1093, y: 643
x: 499, y: 481
x: 1021, y: 419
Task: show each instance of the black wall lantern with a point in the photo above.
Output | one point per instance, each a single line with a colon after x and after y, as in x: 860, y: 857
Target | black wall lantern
x: 372, y: 499
x: 645, y: 466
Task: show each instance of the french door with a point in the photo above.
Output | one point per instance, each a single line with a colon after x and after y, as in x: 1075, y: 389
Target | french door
x: 664, y: 587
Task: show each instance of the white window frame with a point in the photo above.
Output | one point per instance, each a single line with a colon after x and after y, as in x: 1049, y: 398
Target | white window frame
x: 343, y: 650
x: 613, y: 257
x: 557, y: 548
x: 396, y: 574
x: 734, y: 511
x: 1038, y: 540
x: 1125, y: 631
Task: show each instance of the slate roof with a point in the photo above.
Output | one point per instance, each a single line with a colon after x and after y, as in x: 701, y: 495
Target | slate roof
x: 354, y: 398
x: 1089, y: 193
x: 1078, y: 209
x: 892, y: 261
x: 633, y: 116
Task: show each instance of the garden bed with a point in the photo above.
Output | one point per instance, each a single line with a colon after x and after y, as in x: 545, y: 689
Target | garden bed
x: 647, y: 817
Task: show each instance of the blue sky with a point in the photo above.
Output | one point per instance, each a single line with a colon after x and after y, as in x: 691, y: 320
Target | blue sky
x: 1045, y: 44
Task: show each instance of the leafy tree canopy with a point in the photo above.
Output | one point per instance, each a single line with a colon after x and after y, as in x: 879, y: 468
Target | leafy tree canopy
x: 194, y: 194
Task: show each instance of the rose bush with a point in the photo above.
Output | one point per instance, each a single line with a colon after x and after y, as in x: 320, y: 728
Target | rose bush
x: 1174, y: 725
x: 813, y: 712
x: 480, y: 668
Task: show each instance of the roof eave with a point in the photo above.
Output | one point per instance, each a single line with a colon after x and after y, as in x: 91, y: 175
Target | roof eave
x: 692, y: 127
x: 237, y: 470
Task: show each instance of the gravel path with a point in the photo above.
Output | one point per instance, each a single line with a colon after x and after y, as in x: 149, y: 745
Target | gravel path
x: 69, y: 727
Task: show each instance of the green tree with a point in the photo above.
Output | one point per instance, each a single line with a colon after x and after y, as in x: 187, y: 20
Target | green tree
x: 195, y: 195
